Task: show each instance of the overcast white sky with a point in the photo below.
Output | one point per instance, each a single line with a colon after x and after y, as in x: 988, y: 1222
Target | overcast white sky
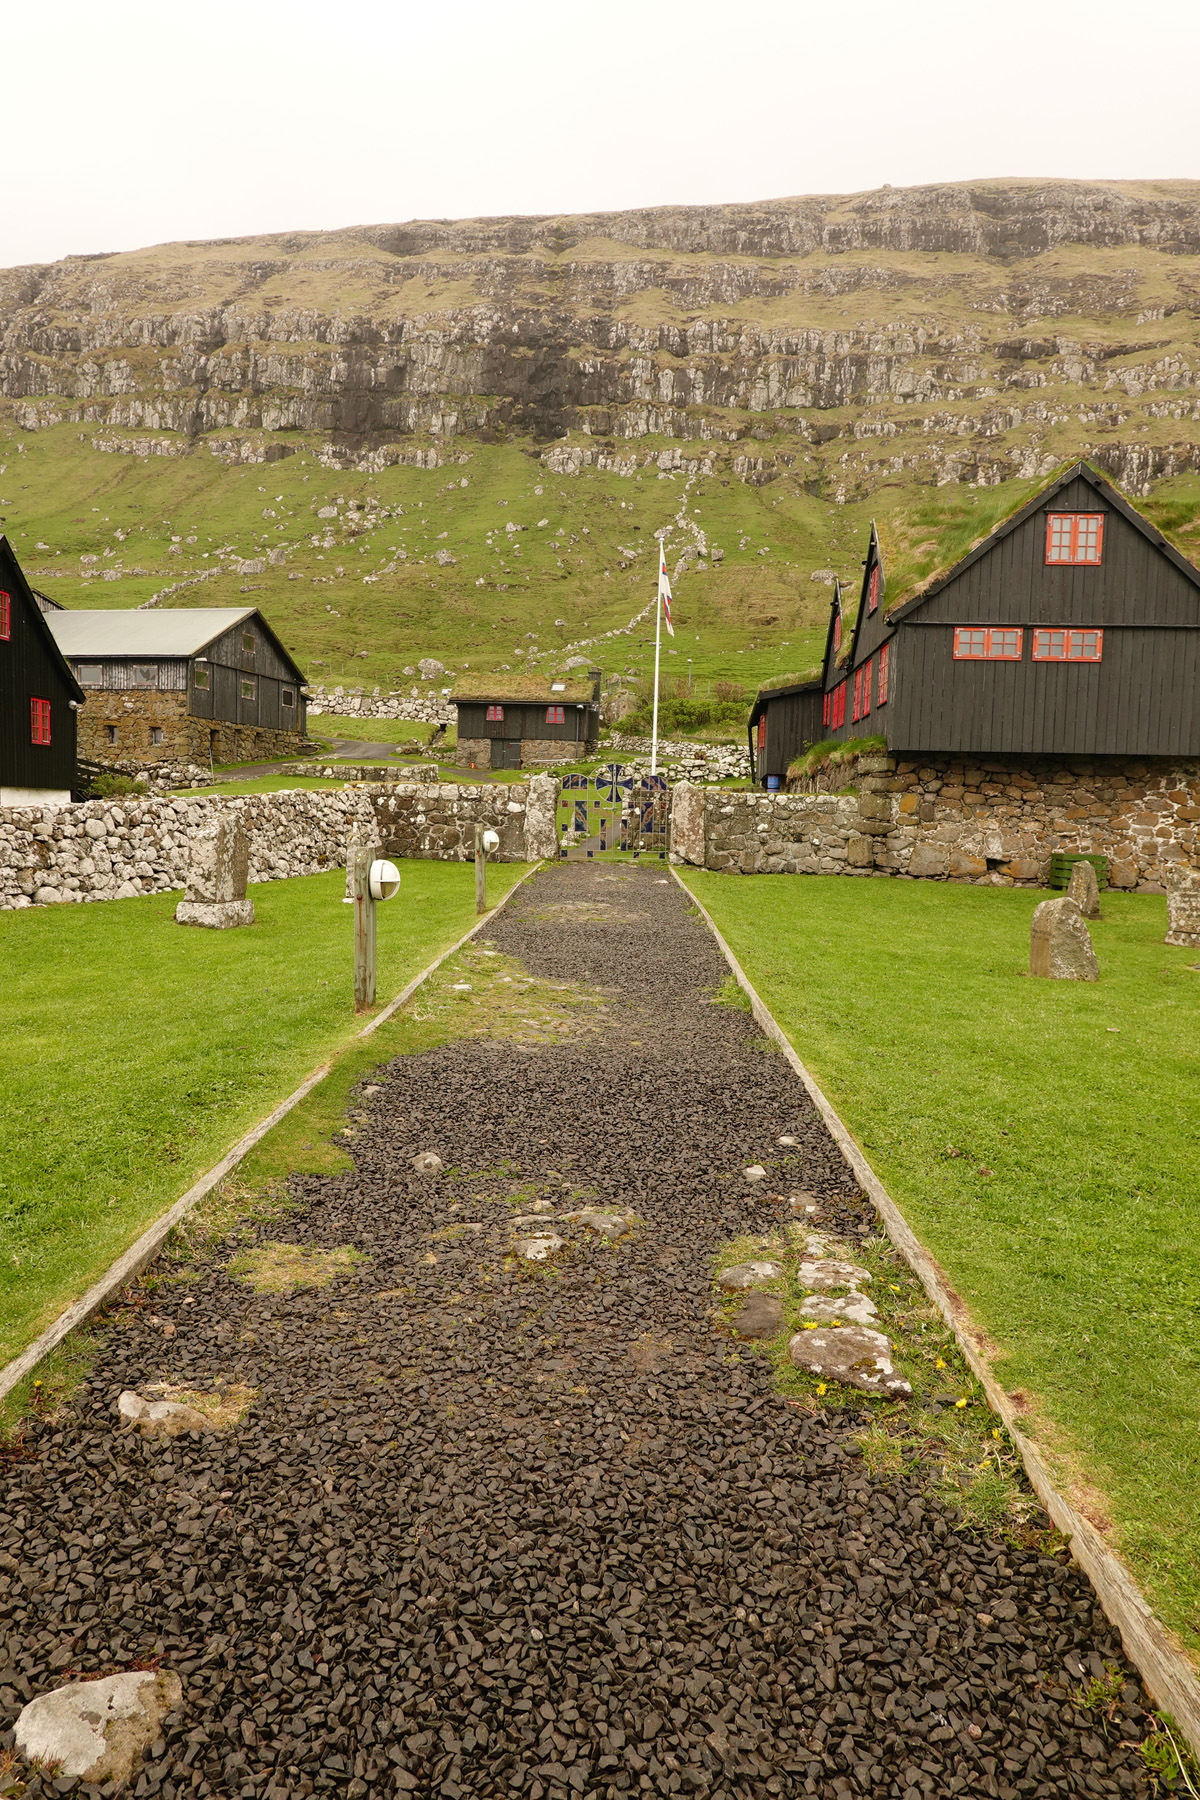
x: 132, y: 122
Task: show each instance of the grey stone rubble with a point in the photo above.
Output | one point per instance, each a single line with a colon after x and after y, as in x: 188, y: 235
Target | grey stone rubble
x: 1060, y: 946
x: 216, y: 881
x: 117, y: 849
x: 98, y: 1731
x: 685, y: 760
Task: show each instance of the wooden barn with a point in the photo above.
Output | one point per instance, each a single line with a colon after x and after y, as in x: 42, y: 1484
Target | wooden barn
x: 527, y: 721
x: 39, y: 699
x: 197, y: 684
x: 1072, y: 630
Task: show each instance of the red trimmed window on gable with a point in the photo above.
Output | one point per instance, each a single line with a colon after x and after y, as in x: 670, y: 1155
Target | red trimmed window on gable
x: 1074, y: 537
x: 884, y: 658
x: 555, y: 715
x: 988, y: 643
x: 873, y: 589
x: 1068, y: 646
x: 39, y: 721
x: 5, y: 614
x: 866, y: 691
x: 858, y: 687
x: 495, y: 714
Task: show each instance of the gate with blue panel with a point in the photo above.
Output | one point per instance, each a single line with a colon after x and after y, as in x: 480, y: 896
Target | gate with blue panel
x: 612, y: 813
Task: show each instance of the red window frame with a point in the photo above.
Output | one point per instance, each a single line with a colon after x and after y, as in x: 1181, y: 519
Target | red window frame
x: 1054, y: 643
x: 556, y: 715
x: 885, y: 656
x: 866, y: 688
x: 495, y: 714
x: 837, y: 706
x: 39, y: 721
x: 873, y: 589
x: 5, y: 614
x: 1074, y: 539
x: 988, y: 643
x: 856, y: 714
x: 762, y: 733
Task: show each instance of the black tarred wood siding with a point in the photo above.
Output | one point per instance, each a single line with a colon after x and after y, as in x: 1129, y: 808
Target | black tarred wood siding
x: 580, y: 723
x: 272, y: 670
x: 793, y: 723
x: 31, y: 665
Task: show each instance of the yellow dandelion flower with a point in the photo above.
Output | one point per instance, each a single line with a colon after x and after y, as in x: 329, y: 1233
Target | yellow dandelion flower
x: 995, y: 1432
x: 940, y: 1363
x: 809, y: 1325
x: 960, y: 1403
x: 820, y: 1387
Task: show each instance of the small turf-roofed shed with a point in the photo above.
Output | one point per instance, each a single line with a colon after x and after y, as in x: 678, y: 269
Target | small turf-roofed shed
x: 39, y: 698
x: 527, y: 721
x: 186, y: 685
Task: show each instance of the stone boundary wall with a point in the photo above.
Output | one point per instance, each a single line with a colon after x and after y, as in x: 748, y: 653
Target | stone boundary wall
x: 984, y: 820
x: 117, y: 849
x: 426, y: 709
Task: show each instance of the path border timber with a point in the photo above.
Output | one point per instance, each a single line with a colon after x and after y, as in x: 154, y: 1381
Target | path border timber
x: 1169, y: 1676
x: 131, y: 1262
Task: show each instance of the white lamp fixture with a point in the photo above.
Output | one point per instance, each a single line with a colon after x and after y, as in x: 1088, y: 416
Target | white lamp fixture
x: 384, y: 880
x: 491, y: 841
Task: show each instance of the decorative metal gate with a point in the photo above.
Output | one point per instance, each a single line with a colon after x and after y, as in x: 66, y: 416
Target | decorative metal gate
x: 613, y: 812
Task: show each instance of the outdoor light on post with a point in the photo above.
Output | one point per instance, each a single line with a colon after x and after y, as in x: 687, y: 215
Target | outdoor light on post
x: 374, y: 879
x: 485, y: 843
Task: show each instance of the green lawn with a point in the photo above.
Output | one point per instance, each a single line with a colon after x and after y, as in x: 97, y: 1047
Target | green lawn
x: 1044, y: 1140
x: 137, y: 1050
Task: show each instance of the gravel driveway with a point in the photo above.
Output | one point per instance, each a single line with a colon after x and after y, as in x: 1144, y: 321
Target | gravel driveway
x: 491, y: 1528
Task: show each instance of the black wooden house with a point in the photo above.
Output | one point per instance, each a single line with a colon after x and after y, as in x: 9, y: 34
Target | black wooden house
x: 1073, y: 629
x: 526, y: 721
x: 39, y: 698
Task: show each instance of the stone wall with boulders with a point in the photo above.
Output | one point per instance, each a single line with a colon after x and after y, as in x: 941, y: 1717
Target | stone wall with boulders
x: 430, y: 708
x: 983, y: 820
x: 116, y: 849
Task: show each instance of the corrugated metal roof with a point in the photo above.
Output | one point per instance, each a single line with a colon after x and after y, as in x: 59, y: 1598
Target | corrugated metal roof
x: 136, y: 633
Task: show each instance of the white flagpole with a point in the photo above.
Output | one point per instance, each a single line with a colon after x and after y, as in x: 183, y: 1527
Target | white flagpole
x: 657, y: 642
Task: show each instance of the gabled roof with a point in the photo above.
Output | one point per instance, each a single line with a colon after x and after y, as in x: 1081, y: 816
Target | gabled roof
x: 40, y: 622
x: 811, y: 686
x: 524, y: 689
x: 115, y: 631
x: 1079, y: 471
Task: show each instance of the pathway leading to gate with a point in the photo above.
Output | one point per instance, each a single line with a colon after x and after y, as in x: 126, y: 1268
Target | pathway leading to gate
x: 491, y: 1529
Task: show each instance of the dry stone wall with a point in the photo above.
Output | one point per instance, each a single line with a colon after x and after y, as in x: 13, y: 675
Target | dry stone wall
x: 986, y: 821
x: 117, y: 849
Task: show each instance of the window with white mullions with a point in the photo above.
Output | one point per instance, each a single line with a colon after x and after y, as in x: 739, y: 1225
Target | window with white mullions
x: 1075, y: 538
x: 1068, y: 646
x: 988, y: 643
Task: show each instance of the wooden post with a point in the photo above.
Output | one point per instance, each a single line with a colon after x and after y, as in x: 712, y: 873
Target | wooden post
x: 480, y: 872
x: 364, y: 931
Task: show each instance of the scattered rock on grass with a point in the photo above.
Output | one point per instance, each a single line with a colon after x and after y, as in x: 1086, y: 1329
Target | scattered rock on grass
x: 830, y: 1273
x: 748, y: 1275
x: 97, y: 1731
x: 854, y: 1356
x: 759, y: 1316
x: 853, y: 1309
x: 281, y: 1268
x: 1059, y: 944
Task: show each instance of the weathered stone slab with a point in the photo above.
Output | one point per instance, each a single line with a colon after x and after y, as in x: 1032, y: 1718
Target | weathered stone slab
x: 828, y: 1273
x: 850, y: 1309
x: 928, y: 859
x: 218, y: 860
x: 98, y: 1731
x: 1084, y: 889
x: 537, y: 1249
x: 218, y: 915
x: 160, y: 1418
x: 1183, y: 917
x: 1059, y: 944
x: 748, y: 1275
x: 687, y: 823
x: 854, y: 1356
x: 759, y: 1316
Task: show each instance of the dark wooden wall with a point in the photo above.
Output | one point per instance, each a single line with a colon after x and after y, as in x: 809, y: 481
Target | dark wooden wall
x: 580, y: 723
x: 793, y: 723
x: 272, y: 672
x: 31, y: 666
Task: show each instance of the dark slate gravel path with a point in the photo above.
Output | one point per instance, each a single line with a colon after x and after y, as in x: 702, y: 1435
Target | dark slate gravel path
x: 499, y: 1532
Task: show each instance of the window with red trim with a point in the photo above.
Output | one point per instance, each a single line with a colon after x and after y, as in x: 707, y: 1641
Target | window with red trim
x: 825, y: 709
x: 555, y: 715
x: 988, y: 643
x: 5, y: 614
x: 885, y: 655
x: 858, y: 675
x: 762, y: 734
x: 837, y: 706
x: 1074, y: 537
x: 39, y: 721
x: 866, y: 691
x: 495, y: 714
x: 873, y: 589
x: 1068, y: 646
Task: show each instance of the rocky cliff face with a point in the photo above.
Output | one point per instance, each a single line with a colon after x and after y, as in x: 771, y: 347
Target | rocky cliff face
x: 966, y: 332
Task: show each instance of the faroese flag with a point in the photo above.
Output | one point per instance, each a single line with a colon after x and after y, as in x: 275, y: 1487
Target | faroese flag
x: 664, y: 587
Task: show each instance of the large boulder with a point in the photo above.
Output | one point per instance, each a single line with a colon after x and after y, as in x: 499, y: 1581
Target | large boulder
x: 1084, y: 889
x: 98, y: 1731
x: 1059, y: 944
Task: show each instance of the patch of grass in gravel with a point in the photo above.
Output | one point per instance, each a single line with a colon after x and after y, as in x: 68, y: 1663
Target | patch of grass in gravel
x: 275, y: 1268
x: 1043, y: 1139
x: 947, y: 1425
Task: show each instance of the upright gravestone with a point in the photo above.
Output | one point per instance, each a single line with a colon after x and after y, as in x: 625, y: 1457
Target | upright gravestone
x: 1084, y: 889
x: 1059, y: 944
x: 1183, y: 914
x: 216, y: 884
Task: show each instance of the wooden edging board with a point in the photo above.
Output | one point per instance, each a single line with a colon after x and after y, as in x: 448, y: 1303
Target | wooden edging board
x: 1169, y: 1677
x: 134, y: 1260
